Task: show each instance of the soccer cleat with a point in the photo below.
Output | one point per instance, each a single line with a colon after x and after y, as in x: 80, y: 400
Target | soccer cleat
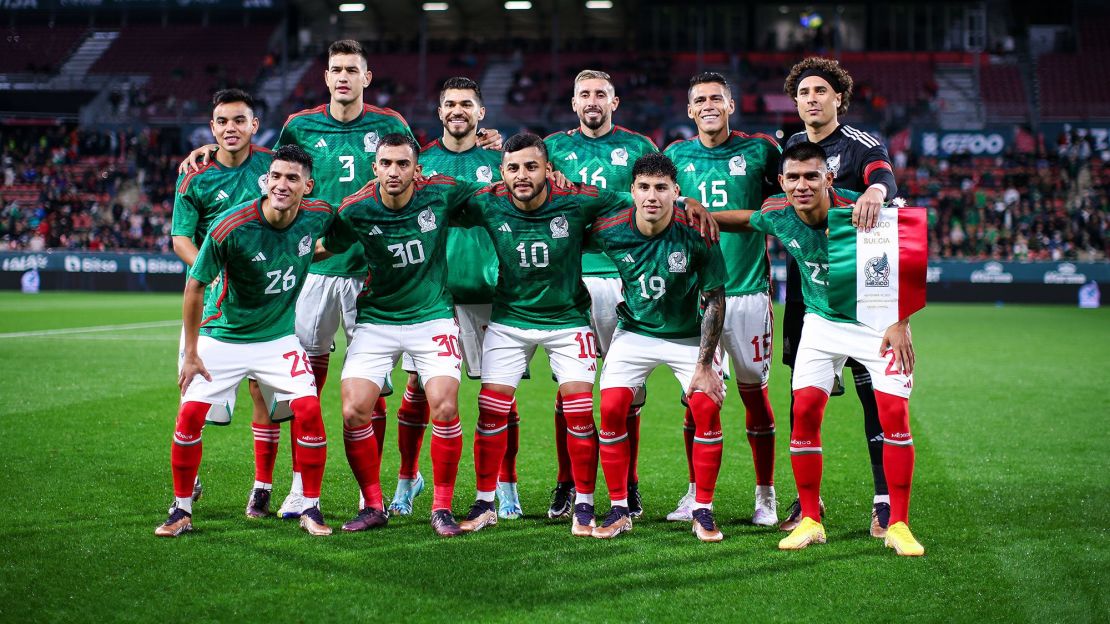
x: 258, y: 503
x: 291, y: 507
x: 444, y: 523
x: 561, y: 500
x: 582, y: 523
x: 180, y: 521
x: 368, y: 518
x: 480, y: 516
x: 705, y: 527
x: 808, y: 531
x: 406, y: 493
x: 618, y: 521
x: 794, y: 515
x: 312, y: 520
x: 766, y: 507
x: 684, y: 511
x: 635, y: 502
x: 899, y: 538
x: 880, y: 518
x: 508, y: 501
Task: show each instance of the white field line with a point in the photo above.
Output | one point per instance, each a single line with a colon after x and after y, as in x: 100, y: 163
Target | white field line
x: 89, y: 330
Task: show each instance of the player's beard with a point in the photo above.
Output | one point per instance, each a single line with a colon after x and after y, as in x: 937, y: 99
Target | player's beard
x: 459, y: 134
x: 594, y: 123
x: 532, y: 192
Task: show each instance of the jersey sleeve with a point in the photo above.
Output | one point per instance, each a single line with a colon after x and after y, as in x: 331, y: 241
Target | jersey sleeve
x: 458, y: 198
x: 712, y: 274
x: 287, y: 136
x: 186, y: 214
x: 760, y: 222
x: 606, y: 204
x: 340, y: 236
x: 878, y: 170
x: 210, y: 261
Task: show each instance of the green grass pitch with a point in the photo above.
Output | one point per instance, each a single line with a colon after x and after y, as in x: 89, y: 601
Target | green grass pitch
x: 1012, y: 497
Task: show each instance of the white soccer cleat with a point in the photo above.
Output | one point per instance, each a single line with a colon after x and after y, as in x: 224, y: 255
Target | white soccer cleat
x: 292, y: 506
x: 766, y: 507
x: 685, y: 510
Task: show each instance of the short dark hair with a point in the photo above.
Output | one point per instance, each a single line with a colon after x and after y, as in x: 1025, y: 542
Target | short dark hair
x: 230, y: 96
x: 397, y: 139
x: 347, y: 46
x: 708, y: 78
x: 654, y: 164
x: 826, y: 66
x: 295, y: 154
x: 524, y: 140
x: 461, y: 82
x: 806, y: 150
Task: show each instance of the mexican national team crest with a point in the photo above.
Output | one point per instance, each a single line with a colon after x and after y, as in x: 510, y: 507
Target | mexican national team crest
x: 305, y: 246
x: 484, y: 174
x: 738, y: 165
x: 426, y: 220
x: 876, y: 272
x: 559, y: 227
x: 262, y: 183
x: 620, y: 157
x: 370, y: 142
x: 832, y: 163
x: 676, y: 262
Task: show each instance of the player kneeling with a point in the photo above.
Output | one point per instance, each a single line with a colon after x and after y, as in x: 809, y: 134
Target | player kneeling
x: 668, y: 271
x: 260, y: 251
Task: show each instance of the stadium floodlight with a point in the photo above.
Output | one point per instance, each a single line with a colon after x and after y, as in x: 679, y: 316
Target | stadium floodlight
x: 518, y: 5
x: 352, y: 7
x: 435, y: 6
x: 599, y: 4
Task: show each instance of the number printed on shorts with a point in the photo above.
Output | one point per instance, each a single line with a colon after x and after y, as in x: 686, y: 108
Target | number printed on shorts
x: 450, y: 346
x: 539, y: 255
x: 892, y: 368
x: 587, y: 345
x: 288, y: 281
x: 765, y: 352
x: 300, y: 362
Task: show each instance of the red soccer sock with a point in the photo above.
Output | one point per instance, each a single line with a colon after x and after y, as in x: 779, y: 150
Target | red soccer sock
x: 581, y: 440
x: 561, y: 454
x: 632, y: 424
x: 412, y: 420
x: 898, y: 453
x: 319, y: 364
x: 362, y: 455
x: 308, y: 428
x: 759, y: 420
x: 265, y: 450
x: 708, y: 445
x: 613, y: 440
x: 377, y: 418
x: 446, y: 452
x: 688, y: 439
x: 512, y: 447
x: 805, y: 448
x: 490, y: 437
x: 186, y: 449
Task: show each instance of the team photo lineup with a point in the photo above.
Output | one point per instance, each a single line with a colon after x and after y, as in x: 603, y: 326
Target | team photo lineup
x: 470, y: 253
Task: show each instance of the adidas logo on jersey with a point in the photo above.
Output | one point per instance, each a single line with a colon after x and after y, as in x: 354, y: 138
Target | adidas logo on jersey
x: 260, y: 257
x: 505, y: 228
x: 374, y: 231
x: 571, y: 156
x: 794, y: 244
x: 628, y: 258
x: 321, y: 143
x: 689, y: 168
x: 221, y: 195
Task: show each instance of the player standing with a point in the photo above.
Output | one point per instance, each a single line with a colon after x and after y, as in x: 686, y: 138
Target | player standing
x: 601, y: 154
x: 728, y: 169
x: 260, y: 251
x: 822, y: 90
x: 799, y: 217
x: 669, y: 272
x: 236, y: 173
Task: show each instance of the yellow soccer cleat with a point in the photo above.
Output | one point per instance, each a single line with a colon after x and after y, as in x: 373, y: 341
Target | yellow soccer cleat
x: 903, y: 542
x: 809, y: 531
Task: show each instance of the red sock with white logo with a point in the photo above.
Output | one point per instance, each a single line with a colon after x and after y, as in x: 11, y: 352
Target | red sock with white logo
x: 490, y: 437
x: 613, y: 440
x: 363, y: 456
x: 898, y: 453
x: 185, y: 452
x: 412, y: 420
x: 308, y: 429
x: 581, y: 440
x: 759, y: 421
x: 265, y: 450
x: 512, y: 447
x: 806, y: 456
x: 446, y: 453
x: 561, y: 453
x: 708, y: 443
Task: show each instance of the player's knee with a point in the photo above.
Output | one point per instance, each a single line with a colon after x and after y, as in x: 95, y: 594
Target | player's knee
x: 444, y: 410
x: 809, y: 408
x: 356, y: 416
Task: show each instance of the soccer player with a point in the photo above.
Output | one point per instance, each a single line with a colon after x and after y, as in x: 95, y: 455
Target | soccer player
x: 260, y: 251
x: 668, y: 272
x: 600, y: 153
x: 402, y: 227
x: 727, y: 170
x: 235, y: 174
x: 799, y: 218
x: 822, y: 90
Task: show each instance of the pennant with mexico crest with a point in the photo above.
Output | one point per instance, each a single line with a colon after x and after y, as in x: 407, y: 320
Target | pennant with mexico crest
x: 878, y: 277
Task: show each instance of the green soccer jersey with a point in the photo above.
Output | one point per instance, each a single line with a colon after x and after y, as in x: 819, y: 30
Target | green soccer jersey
x: 343, y: 162
x: 808, y: 244
x: 736, y: 175
x: 471, y: 260
x: 604, y: 162
x: 203, y: 194
x: 539, y: 253
x: 261, y: 270
x: 405, y: 248
x: 664, y: 275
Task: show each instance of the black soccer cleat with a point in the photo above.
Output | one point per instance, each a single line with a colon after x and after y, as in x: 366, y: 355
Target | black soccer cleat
x: 582, y: 523
x: 635, y: 502
x: 444, y: 523
x: 367, y: 518
x: 258, y: 503
x: 481, y: 515
x: 562, y: 498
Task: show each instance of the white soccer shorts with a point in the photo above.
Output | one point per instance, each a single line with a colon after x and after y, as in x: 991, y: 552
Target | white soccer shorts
x: 825, y: 346
x: 506, y: 351
x: 632, y: 357
x: 280, y: 366
x: 325, y: 302
x: 375, y: 349
x: 747, y: 338
x: 605, y: 294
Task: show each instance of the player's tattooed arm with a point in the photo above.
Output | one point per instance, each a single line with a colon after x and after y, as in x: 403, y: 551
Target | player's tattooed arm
x: 897, y: 339
x: 705, y: 379
x: 198, y: 157
x: 191, y: 310
x: 734, y: 220
x: 489, y: 138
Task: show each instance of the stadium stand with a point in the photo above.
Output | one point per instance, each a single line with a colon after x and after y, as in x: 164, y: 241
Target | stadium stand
x: 38, y: 49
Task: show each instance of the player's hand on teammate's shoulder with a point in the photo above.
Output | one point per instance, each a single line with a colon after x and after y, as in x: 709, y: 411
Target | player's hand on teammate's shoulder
x: 707, y: 381
x: 197, y: 158
x: 559, y: 181
x: 897, y: 338
x: 190, y: 368
x: 489, y: 138
x: 700, y: 218
x: 865, y: 212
